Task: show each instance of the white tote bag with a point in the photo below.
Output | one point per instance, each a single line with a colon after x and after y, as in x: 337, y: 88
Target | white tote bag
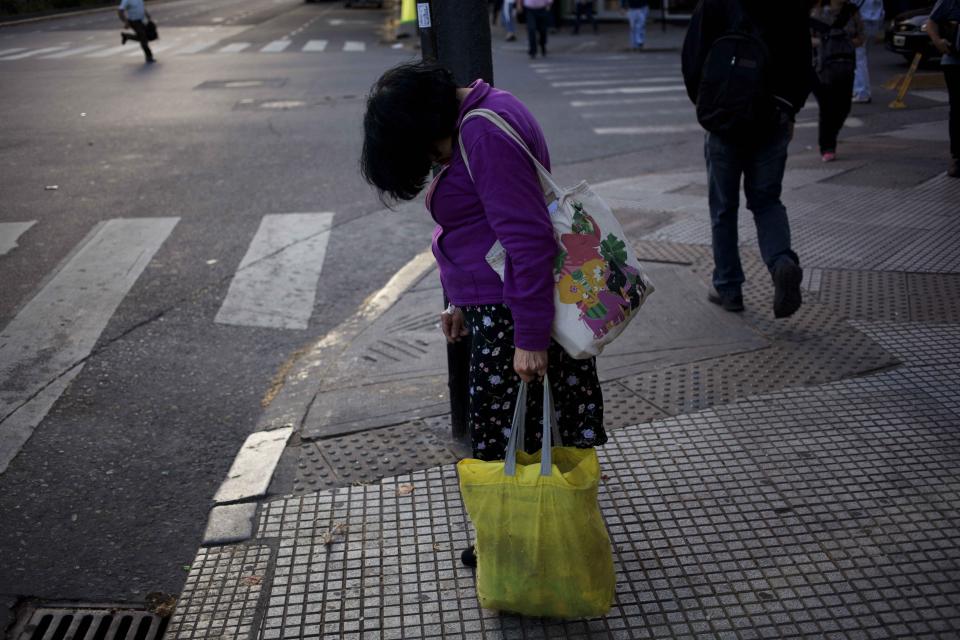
x: 600, y: 284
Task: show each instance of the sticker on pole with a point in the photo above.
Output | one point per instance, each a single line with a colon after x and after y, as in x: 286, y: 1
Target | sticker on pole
x: 423, y: 15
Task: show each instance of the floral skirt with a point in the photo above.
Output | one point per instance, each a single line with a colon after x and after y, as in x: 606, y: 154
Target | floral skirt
x: 494, y: 385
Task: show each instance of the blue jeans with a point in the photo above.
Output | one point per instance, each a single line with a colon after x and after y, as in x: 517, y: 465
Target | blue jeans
x: 638, y: 25
x: 861, y: 80
x: 762, y: 166
x: 508, y: 24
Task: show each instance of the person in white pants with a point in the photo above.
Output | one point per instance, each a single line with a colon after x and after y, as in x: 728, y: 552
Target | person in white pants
x: 871, y: 11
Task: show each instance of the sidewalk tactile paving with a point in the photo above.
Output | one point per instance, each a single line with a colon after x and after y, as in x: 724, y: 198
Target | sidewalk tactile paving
x: 369, y: 456
x: 934, y: 298
x: 824, y: 512
x: 622, y: 407
x: 870, y: 295
x: 690, y: 387
x: 674, y: 252
x: 803, y: 490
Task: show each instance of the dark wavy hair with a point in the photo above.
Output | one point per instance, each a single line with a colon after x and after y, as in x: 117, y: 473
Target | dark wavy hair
x: 410, y: 108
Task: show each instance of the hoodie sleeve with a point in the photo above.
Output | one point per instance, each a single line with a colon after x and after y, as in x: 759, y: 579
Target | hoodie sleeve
x: 513, y: 202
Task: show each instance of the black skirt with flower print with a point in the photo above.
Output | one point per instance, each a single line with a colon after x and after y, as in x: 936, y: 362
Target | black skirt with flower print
x: 494, y: 385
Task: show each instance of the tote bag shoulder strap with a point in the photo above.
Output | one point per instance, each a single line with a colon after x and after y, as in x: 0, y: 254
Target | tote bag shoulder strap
x: 546, y: 179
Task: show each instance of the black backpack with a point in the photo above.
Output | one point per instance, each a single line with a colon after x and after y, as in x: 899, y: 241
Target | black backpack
x: 733, y: 97
x: 836, y: 56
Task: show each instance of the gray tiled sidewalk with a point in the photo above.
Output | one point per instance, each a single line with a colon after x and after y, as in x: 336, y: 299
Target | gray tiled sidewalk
x: 826, y: 512
x: 787, y: 495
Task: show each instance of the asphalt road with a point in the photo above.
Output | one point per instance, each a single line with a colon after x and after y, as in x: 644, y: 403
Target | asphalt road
x: 253, y: 110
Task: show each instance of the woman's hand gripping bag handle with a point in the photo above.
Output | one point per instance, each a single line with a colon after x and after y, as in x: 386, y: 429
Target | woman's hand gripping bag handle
x: 542, y: 546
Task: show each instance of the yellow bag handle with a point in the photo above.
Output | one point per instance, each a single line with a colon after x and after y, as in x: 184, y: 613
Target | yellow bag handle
x: 518, y: 431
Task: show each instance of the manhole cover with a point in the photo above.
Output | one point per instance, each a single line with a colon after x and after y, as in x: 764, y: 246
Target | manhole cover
x: 88, y: 622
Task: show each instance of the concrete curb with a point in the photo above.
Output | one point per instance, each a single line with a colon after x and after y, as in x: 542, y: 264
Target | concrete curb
x: 252, y: 471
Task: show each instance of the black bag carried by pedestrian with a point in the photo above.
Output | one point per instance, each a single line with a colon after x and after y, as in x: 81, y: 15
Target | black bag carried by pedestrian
x: 734, y: 97
x: 151, y: 28
x: 836, y: 55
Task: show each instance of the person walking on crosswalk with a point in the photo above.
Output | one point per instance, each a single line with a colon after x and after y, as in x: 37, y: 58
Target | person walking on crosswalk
x: 537, y: 14
x: 134, y: 15
x: 871, y: 11
x: 746, y: 67
x: 637, y: 11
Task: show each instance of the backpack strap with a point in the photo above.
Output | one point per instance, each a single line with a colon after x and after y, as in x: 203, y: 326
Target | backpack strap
x: 846, y: 13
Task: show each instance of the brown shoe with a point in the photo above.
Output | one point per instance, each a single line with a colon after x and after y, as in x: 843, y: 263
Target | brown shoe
x: 954, y: 169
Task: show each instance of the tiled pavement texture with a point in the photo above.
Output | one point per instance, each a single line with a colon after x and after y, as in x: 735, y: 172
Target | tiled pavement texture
x: 824, y: 512
x: 837, y: 226
x: 834, y: 226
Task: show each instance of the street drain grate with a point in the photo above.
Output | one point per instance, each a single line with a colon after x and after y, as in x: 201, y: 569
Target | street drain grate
x: 88, y: 622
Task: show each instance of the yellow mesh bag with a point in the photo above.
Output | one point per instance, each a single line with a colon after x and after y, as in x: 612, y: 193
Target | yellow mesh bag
x: 542, y: 546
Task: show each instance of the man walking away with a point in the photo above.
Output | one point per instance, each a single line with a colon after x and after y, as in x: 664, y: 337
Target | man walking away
x: 637, y: 11
x: 583, y: 10
x: 538, y: 20
x: 871, y: 11
x: 746, y: 65
x: 944, y: 29
x: 133, y: 14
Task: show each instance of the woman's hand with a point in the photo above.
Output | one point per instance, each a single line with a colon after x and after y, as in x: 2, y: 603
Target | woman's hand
x: 453, y: 324
x: 530, y: 365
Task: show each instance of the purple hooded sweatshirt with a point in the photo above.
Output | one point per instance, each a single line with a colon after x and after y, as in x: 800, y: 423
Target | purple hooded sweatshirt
x: 504, y: 202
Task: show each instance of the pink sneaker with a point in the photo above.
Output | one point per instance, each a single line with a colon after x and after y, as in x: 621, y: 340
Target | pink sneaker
x: 828, y: 156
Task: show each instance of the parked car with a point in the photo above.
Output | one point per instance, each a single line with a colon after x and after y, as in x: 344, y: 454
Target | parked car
x: 907, y: 35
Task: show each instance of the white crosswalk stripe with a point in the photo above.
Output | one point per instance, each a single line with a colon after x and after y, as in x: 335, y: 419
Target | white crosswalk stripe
x: 612, y: 102
x: 47, y: 343
x: 181, y: 47
x: 195, y: 47
x: 275, y: 284
x: 31, y: 53
x: 73, y: 52
x: 633, y: 97
x: 48, y: 340
x: 10, y: 232
x: 276, y: 46
x: 108, y: 52
x: 621, y: 81
x: 235, y: 47
x: 626, y: 90
x: 636, y: 131
x: 315, y: 45
x: 165, y: 45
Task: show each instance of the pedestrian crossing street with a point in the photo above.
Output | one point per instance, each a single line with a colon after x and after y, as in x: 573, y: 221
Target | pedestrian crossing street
x: 48, y: 341
x: 178, y: 46
x: 635, y: 94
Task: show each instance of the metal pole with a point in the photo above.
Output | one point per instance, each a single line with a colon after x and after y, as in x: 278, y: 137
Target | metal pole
x: 457, y: 34
x: 428, y: 34
x: 898, y: 102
